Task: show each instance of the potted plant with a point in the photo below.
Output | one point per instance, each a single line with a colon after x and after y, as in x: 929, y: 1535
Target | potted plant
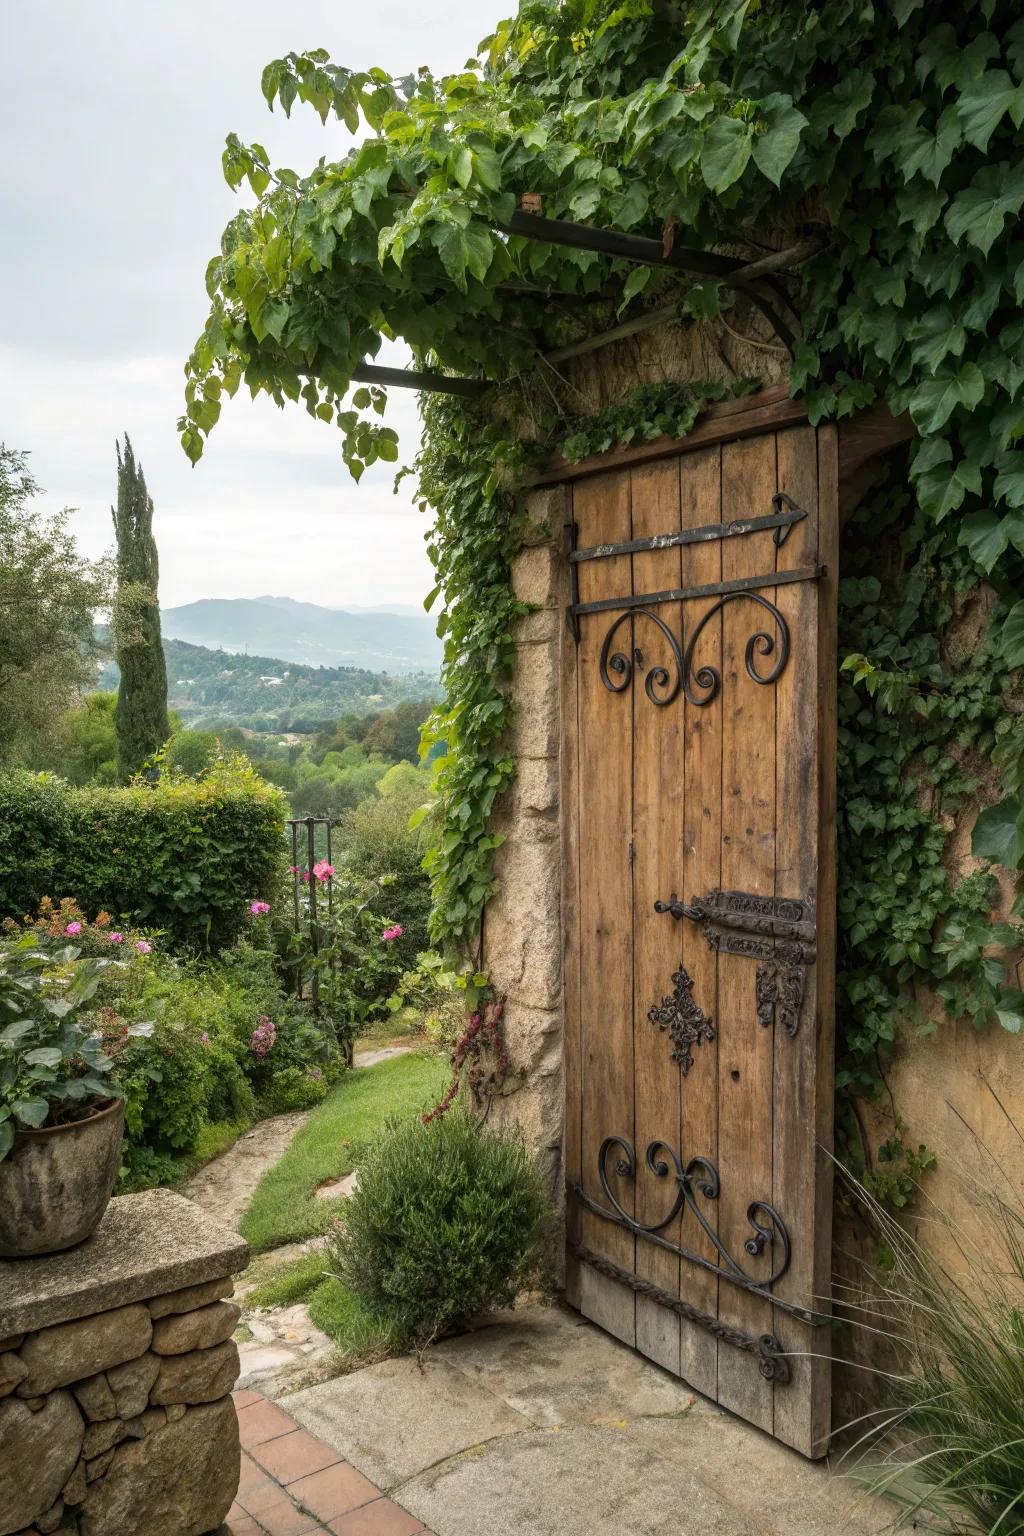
x: 61, y: 1117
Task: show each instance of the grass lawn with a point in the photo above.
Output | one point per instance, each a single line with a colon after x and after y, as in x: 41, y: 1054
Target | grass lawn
x: 285, y: 1207
x: 332, y: 1308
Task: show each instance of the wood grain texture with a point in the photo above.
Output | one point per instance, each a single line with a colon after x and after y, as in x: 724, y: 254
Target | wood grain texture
x: 573, y: 1075
x: 748, y: 864
x: 701, y: 496
x: 657, y: 858
x: 605, y: 909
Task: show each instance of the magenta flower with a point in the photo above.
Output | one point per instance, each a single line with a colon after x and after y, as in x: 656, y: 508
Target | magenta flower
x: 115, y: 938
x: 392, y: 933
x: 259, y: 908
x: 261, y: 1041
x: 323, y: 871
x: 143, y: 947
x: 73, y: 929
x: 293, y: 869
x: 204, y: 1037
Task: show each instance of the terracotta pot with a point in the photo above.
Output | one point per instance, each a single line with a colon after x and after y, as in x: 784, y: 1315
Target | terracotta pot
x: 55, y: 1183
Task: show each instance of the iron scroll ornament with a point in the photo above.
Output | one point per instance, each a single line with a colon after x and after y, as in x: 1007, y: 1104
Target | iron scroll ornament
x: 700, y: 1176
x: 663, y: 684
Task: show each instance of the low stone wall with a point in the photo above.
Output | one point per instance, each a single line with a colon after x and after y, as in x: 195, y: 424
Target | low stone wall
x: 116, y: 1370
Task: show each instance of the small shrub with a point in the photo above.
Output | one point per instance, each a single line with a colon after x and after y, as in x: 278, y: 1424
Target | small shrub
x: 448, y: 1221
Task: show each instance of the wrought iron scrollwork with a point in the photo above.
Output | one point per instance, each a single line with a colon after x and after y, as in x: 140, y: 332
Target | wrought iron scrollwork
x: 684, y: 1018
x: 699, y: 1177
x: 660, y: 686
x: 708, y: 678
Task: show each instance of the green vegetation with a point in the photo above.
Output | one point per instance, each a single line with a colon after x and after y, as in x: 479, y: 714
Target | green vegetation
x: 285, y: 1207
x: 183, y: 855
x: 951, y: 1426
x: 213, y: 689
x: 198, y: 1048
x: 448, y: 1220
x: 140, y: 715
x: 47, y: 597
x: 891, y: 136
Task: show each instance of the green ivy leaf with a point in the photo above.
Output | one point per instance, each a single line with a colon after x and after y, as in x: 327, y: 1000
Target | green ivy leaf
x: 935, y: 400
x: 999, y: 833
x: 1010, y: 1010
x: 979, y: 213
x: 934, y: 336
x: 775, y: 147
x: 30, y: 1112
x: 727, y: 148
x: 984, y: 536
x: 984, y: 103
x: 1011, y: 636
x: 464, y: 249
x: 635, y: 283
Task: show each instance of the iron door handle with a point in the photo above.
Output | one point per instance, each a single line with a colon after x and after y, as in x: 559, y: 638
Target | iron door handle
x: 678, y: 909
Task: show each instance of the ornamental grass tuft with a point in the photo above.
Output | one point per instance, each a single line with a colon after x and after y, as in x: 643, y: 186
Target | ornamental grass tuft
x: 449, y: 1220
x: 952, y: 1432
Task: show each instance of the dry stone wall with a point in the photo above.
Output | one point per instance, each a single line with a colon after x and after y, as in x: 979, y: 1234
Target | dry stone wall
x: 120, y: 1422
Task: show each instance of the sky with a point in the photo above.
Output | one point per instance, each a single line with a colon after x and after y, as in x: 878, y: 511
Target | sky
x: 113, y: 118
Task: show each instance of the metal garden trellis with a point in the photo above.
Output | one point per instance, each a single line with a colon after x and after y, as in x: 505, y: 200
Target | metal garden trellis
x: 310, y: 823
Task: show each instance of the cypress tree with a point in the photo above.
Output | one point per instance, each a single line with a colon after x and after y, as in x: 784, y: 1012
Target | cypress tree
x: 141, y: 713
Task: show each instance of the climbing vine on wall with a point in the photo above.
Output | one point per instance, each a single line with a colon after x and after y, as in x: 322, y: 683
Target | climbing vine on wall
x: 892, y: 132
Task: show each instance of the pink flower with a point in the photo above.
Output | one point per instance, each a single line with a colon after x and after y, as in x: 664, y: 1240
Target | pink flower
x: 392, y: 933
x: 323, y: 871
x: 115, y: 938
x: 261, y: 1041
x: 259, y: 908
x: 73, y: 928
x: 142, y: 947
x: 204, y: 1037
x: 293, y: 869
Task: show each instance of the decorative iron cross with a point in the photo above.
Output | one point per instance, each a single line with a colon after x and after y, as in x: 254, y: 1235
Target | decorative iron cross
x: 684, y: 1018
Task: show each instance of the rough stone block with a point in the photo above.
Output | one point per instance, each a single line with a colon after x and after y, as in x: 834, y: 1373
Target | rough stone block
x: 144, y: 1423
x: 100, y: 1437
x: 73, y: 1491
x: 179, y: 1481
x: 12, y: 1372
x: 150, y: 1244
x: 202, y: 1329
x: 537, y: 575
x: 522, y: 926
x: 52, y: 1518
x: 131, y: 1384
x: 547, y: 509
x: 98, y: 1465
x: 70, y: 1351
x: 39, y: 1451
x: 95, y: 1398
x: 12, y: 1341
x: 191, y: 1297
x: 199, y: 1377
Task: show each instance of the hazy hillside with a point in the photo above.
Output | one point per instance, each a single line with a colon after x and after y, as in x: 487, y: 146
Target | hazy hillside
x: 211, y: 687
x: 307, y: 633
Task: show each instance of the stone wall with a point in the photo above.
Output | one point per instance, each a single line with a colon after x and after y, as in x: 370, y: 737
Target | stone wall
x: 117, y: 1420
x: 522, y: 931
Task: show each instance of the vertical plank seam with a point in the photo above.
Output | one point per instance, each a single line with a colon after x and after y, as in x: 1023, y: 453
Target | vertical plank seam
x: 775, y: 891
x: 718, y: 957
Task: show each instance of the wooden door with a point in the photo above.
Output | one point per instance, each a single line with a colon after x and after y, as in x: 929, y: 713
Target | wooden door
x: 699, y: 762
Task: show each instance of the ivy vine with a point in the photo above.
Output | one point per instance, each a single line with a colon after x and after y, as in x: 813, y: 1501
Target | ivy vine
x: 893, y: 131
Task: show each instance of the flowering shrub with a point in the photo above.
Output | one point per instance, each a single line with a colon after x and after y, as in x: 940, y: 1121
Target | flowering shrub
x: 261, y: 1041
x: 180, y: 856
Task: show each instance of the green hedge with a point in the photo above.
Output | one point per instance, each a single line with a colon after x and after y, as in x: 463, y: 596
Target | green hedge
x: 185, y: 855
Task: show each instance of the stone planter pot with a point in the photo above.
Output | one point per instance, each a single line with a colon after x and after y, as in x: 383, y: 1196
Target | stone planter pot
x: 55, y: 1183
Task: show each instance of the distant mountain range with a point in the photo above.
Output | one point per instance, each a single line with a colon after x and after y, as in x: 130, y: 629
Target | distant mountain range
x: 393, y: 639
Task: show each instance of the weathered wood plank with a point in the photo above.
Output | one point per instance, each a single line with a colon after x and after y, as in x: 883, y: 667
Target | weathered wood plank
x: 701, y: 495
x: 657, y: 942
x: 748, y: 864
x: 573, y: 1077
x: 798, y: 1408
x: 605, y: 926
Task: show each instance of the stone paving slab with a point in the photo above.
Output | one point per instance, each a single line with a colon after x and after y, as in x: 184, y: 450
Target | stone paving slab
x: 294, y: 1485
x: 395, y: 1419
x: 543, y: 1425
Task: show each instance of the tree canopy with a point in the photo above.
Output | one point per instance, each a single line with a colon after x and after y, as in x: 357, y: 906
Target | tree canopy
x: 48, y: 598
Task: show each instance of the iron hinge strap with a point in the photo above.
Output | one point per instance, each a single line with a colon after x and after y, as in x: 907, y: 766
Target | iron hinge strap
x: 782, y: 521
x: 686, y: 594
x: 772, y: 1362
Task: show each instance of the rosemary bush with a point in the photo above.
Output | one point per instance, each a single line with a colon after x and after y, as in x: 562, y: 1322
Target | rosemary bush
x: 449, y: 1220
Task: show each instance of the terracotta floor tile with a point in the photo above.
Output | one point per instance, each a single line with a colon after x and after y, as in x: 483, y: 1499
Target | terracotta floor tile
x: 251, y: 1476
x: 283, y: 1518
x: 379, y: 1518
x: 294, y: 1455
x: 242, y: 1524
x: 334, y: 1491
x: 262, y: 1421
x: 246, y: 1399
